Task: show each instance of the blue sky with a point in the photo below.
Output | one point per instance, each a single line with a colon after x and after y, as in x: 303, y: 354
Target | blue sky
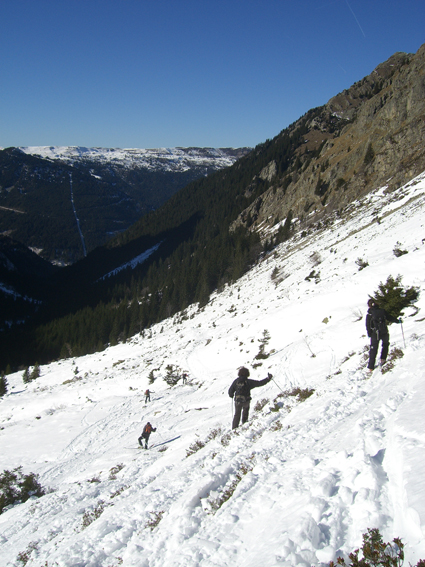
x: 165, y: 73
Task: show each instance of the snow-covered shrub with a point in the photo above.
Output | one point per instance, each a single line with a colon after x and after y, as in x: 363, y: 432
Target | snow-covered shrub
x: 119, y: 491
x: 214, y: 433
x: 217, y: 502
x: 398, y: 251
x: 394, y: 355
x: 94, y: 479
x: 25, y: 556
x: 90, y: 516
x: 17, y: 487
x: 226, y: 438
x: 115, y: 470
x: 376, y: 553
x: 260, y: 404
x: 301, y: 394
x: 154, y: 521
x: 173, y: 375
x: 196, y: 446
x: 362, y: 263
x: 72, y: 380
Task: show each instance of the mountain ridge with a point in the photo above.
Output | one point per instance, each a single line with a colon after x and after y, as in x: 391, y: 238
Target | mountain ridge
x: 169, y: 159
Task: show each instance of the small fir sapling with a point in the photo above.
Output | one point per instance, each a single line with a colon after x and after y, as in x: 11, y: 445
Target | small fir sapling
x: 393, y: 297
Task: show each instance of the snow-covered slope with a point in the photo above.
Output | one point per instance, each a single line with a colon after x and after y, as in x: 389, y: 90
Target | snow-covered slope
x: 300, y: 483
x: 165, y: 159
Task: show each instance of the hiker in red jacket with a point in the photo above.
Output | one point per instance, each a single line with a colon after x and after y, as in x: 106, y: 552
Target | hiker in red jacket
x: 147, y: 430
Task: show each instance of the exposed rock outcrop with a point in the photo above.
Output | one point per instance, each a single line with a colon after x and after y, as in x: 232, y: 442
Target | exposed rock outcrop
x: 368, y: 136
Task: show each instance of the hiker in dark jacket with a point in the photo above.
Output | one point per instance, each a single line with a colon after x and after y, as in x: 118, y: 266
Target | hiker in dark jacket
x: 241, y: 391
x: 377, y: 330
x: 147, y: 430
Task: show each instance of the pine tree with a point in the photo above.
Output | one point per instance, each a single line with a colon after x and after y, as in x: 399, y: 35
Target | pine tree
x: 392, y: 297
x: 26, y: 376
x: 3, y: 385
x: 35, y: 372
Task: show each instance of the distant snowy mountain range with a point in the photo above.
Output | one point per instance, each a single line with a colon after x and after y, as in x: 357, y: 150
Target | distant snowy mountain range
x: 109, y: 189
x: 165, y: 159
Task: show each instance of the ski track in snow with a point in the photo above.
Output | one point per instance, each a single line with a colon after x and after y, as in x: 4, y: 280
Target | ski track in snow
x: 302, y: 483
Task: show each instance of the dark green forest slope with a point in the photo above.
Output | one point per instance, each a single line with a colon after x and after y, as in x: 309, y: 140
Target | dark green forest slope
x: 197, y: 254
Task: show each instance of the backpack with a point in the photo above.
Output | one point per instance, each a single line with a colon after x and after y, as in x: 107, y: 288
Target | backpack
x: 242, y: 391
x: 378, y: 322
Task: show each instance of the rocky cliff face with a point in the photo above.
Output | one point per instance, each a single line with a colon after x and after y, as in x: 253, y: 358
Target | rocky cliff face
x: 368, y: 136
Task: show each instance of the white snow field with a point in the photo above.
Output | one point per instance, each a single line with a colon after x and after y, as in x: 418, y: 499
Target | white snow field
x: 298, y: 484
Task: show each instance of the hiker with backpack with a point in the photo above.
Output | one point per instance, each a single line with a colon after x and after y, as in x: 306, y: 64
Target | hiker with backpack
x: 240, y: 391
x: 147, y: 396
x: 377, y: 330
x: 147, y: 430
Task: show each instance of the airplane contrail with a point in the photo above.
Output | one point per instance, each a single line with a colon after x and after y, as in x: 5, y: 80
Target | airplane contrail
x: 355, y: 18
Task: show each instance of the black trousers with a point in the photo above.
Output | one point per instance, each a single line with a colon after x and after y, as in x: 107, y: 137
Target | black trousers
x: 374, y: 345
x: 146, y: 438
x: 240, y: 409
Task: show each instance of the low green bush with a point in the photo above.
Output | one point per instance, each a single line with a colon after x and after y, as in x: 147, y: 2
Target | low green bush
x: 16, y: 487
x: 376, y: 553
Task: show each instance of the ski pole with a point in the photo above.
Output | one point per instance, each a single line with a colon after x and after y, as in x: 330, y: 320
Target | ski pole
x: 402, y: 332
x: 270, y: 376
x: 278, y: 385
